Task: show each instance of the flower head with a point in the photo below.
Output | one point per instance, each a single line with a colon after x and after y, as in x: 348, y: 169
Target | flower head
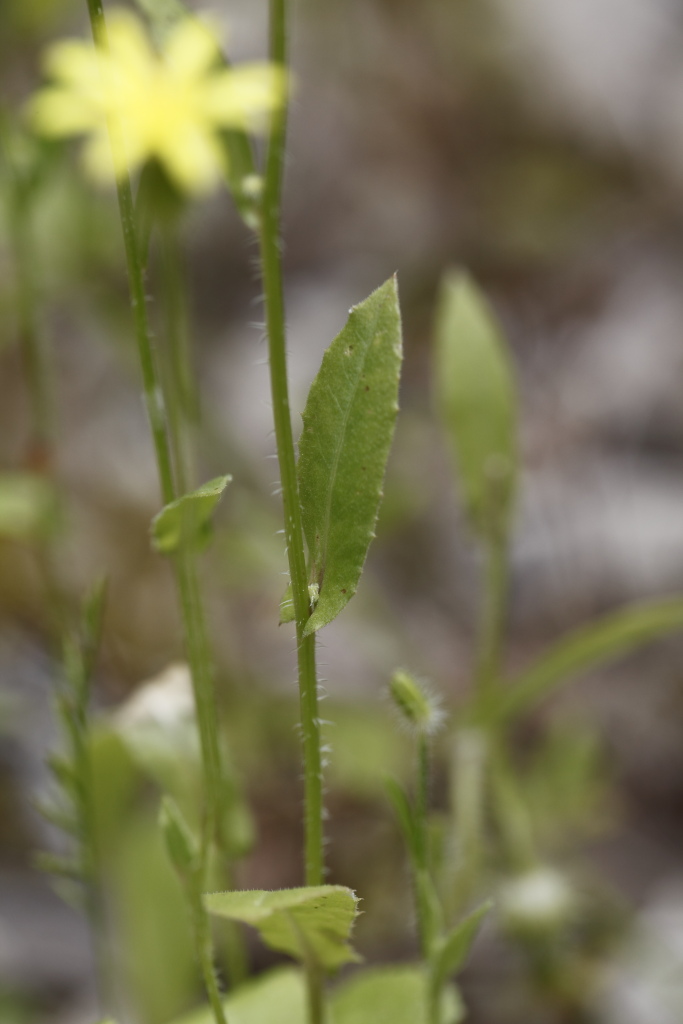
x: 135, y: 104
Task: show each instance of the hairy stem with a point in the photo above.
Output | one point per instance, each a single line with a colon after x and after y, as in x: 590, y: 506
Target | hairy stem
x: 183, y: 405
x: 194, y: 625
x: 271, y: 259
x: 204, y: 948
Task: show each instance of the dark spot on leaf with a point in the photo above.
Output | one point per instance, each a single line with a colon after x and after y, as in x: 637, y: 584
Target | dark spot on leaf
x: 367, y: 387
x: 343, y: 590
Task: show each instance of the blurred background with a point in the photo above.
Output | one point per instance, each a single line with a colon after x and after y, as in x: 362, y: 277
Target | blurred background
x: 539, y: 144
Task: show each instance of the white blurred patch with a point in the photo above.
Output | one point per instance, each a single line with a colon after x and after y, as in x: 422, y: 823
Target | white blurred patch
x: 164, y: 701
x: 645, y: 983
x: 539, y: 899
x: 612, y: 67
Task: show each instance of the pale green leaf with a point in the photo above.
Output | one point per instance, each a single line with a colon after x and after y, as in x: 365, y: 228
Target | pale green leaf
x: 404, y: 815
x: 451, y: 951
x: 287, y: 613
x: 278, y: 996
x: 348, y: 426
x: 392, y: 995
x: 187, y: 521
x: 612, y: 637
x: 27, y: 506
x: 475, y: 399
x: 314, y: 922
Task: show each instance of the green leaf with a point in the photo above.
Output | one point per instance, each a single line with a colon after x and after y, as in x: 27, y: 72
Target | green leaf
x: 28, y: 506
x: 348, y: 426
x: 277, y: 996
x: 186, y: 522
x: 475, y: 399
x: 451, y: 952
x: 64, y: 867
x: 613, y: 637
x: 392, y: 995
x: 287, y: 613
x: 181, y: 846
x: 309, y: 923
x: 404, y: 815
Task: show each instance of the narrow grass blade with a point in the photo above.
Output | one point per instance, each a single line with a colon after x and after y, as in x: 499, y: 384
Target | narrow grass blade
x: 404, y: 815
x: 613, y: 637
x: 348, y: 427
x: 452, y: 951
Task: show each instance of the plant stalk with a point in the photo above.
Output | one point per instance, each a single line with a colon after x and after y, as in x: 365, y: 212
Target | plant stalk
x: 183, y: 406
x: 492, y: 626
x: 204, y: 945
x: 194, y: 624
x: 33, y: 349
x: 271, y: 259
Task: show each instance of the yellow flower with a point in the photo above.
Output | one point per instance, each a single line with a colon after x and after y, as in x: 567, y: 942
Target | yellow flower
x: 135, y: 104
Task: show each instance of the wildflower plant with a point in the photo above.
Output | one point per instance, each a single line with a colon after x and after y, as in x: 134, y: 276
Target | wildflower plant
x: 175, y: 109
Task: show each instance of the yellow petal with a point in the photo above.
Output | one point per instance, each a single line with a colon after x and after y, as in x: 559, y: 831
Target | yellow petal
x: 191, y: 48
x: 129, y: 50
x: 74, y: 63
x: 98, y: 160
x: 241, y: 96
x: 194, y: 159
x: 58, y: 112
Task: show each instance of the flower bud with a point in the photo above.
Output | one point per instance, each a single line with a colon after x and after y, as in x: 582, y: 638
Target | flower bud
x: 418, y: 708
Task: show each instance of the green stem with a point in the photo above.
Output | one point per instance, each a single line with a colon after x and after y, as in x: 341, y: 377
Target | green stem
x: 183, y: 405
x: 194, y: 625
x: 493, y: 626
x: 154, y: 398
x: 468, y: 789
x: 270, y: 243
x: 201, y: 670
x: 315, y: 990
x: 33, y: 348
x: 423, y: 792
x: 204, y: 944
x: 511, y: 812
x: 425, y: 895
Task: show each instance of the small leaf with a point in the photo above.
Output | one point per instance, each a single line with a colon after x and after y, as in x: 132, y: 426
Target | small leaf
x: 404, y: 814
x: 65, y: 773
x: 287, y: 613
x: 60, y: 818
x: 63, y: 867
x: 475, y: 398
x: 308, y: 923
x: 186, y: 521
x: 392, y: 995
x: 613, y: 637
x: 181, y: 845
x: 28, y: 506
x: 278, y: 996
x: 348, y: 426
x: 451, y: 951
